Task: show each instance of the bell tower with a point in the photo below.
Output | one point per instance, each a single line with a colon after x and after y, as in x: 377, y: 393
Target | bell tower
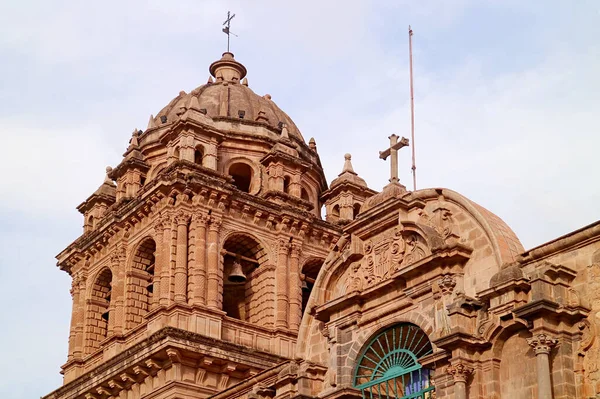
x: 198, y: 250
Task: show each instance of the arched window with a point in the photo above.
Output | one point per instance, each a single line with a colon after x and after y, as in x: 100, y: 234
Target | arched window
x: 304, y: 195
x: 90, y: 222
x: 140, y: 287
x: 176, y: 153
x: 198, y: 155
x: 335, y: 211
x: 98, y: 313
x: 390, y: 365
x: 242, y: 176
x: 310, y: 271
x: 243, y: 284
x: 355, y: 210
x: 286, y: 184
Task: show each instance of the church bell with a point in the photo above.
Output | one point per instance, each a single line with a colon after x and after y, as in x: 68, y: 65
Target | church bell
x: 237, y: 274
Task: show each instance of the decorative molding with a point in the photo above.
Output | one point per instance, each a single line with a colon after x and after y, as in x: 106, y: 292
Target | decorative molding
x: 542, y: 343
x: 459, y: 372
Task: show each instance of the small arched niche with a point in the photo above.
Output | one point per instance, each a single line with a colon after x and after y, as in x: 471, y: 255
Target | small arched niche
x: 286, y: 184
x: 335, y: 211
x: 242, y: 175
x: 242, y: 286
x: 90, y: 223
x: 355, y: 210
x: 198, y: 154
x: 304, y: 195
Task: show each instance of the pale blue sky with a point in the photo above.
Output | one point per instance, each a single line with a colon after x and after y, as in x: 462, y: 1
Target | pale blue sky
x: 506, y: 113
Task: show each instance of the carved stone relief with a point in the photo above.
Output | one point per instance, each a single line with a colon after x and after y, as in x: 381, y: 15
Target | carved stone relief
x: 383, y: 256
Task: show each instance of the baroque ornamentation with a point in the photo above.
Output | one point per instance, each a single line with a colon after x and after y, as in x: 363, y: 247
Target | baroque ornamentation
x: 383, y: 255
x: 415, y: 251
x: 542, y: 343
x: 588, y: 335
x: 459, y: 372
x: 442, y: 222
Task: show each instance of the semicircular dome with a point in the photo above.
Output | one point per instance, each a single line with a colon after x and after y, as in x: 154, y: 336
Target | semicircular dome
x: 228, y: 96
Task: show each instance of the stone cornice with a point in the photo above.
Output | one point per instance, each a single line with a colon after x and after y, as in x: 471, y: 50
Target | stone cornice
x: 575, y: 239
x: 128, y: 163
x: 206, y: 191
x: 168, y: 336
x: 347, y: 186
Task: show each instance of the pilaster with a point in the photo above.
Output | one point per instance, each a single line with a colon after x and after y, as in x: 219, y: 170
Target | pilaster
x: 281, y: 281
x: 181, y: 266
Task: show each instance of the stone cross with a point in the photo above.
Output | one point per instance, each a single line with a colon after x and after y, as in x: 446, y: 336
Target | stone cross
x: 395, y: 145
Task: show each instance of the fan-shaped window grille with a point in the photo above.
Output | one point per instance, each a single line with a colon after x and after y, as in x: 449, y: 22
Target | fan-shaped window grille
x: 389, y: 366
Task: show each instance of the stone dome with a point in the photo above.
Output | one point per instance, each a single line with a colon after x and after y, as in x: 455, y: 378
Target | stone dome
x: 227, y: 95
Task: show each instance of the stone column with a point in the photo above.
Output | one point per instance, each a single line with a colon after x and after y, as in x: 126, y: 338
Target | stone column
x: 158, y: 262
x: 212, y: 267
x: 165, y: 266
x: 295, y: 287
x: 460, y: 373
x: 75, y: 315
x: 199, y: 273
x: 281, y: 283
x: 542, y: 345
x: 181, y: 258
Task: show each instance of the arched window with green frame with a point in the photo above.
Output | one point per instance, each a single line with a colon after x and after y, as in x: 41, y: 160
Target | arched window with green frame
x: 389, y: 366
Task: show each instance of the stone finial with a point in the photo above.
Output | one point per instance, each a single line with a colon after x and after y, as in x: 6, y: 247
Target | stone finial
x: 348, y: 164
x: 151, y: 123
x: 312, y: 144
x: 133, y: 142
x: 107, y: 179
x: 267, y: 96
x: 194, y: 104
x: 542, y: 343
x: 245, y: 82
x: 284, y: 132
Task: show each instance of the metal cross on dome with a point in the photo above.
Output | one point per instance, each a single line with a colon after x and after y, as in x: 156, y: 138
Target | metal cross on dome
x: 227, y: 25
x: 395, y: 145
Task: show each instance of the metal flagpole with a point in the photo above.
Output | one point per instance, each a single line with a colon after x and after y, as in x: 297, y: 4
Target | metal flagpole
x: 412, y: 110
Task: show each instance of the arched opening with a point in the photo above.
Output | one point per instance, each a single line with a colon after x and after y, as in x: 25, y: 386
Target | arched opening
x: 286, y: 184
x: 99, y: 312
x: 517, y: 356
x: 243, y: 284
x: 392, y: 363
x: 355, y: 210
x: 176, y: 153
x: 304, y: 195
x: 198, y: 155
x: 90, y: 222
x: 335, y: 211
x: 242, y: 176
x: 310, y: 271
x: 140, y: 287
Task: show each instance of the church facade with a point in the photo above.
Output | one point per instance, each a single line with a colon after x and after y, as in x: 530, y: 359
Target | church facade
x: 205, y: 270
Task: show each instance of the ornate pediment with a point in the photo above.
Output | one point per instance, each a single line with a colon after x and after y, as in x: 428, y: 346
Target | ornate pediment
x: 385, y: 254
